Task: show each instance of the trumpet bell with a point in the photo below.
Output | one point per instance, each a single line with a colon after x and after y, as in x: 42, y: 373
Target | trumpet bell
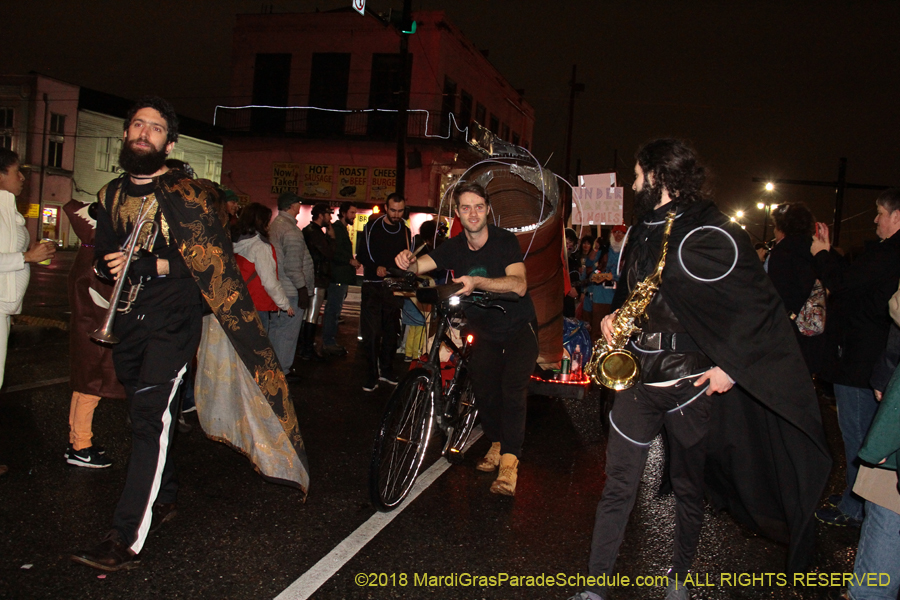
x: 103, y: 336
x: 618, y: 370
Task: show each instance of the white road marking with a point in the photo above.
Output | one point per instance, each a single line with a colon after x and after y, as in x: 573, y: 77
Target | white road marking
x: 307, y: 584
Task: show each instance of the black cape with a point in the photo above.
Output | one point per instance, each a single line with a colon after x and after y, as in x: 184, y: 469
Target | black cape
x: 768, y: 462
x: 188, y: 205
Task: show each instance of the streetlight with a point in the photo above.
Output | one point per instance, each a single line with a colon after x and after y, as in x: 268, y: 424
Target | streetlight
x: 770, y: 187
x: 739, y: 214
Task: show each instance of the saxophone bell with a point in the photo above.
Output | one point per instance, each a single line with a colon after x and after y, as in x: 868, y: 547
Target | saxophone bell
x: 611, y: 365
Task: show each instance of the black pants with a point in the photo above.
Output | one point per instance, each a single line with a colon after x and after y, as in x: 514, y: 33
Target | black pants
x: 151, y: 360
x: 380, y: 314
x: 500, y: 372
x: 636, y: 418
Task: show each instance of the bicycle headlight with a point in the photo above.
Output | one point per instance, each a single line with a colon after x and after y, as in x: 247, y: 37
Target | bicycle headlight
x: 454, y: 301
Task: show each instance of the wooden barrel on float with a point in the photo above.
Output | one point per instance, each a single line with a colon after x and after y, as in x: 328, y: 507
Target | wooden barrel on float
x: 525, y: 200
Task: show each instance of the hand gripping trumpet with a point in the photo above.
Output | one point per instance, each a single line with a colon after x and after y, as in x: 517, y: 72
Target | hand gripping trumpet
x: 104, y: 333
x: 611, y: 365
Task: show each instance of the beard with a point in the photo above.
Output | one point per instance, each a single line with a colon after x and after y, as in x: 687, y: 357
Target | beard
x: 646, y: 199
x: 141, y: 163
x: 614, y: 245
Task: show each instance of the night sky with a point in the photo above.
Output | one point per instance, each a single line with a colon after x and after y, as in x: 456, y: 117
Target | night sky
x: 762, y: 89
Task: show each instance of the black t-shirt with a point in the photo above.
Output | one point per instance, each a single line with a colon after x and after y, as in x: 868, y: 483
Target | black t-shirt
x: 501, y: 250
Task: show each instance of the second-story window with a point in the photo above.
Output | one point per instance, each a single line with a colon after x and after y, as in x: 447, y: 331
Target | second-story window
x: 7, y: 119
x: 271, y: 78
x: 481, y: 114
x: 448, y: 103
x: 329, y: 82
x: 56, y: 140
x: 495, y: 124
x: 465, y: 109
x: 107, y: 158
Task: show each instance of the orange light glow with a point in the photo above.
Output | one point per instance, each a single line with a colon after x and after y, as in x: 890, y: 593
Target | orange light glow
x: 470, y: 338
x: 375, y: 210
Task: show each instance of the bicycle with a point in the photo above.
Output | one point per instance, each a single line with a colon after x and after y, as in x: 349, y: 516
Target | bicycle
x: 409, y: 418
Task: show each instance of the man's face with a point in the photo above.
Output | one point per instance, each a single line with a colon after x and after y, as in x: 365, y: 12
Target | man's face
x: 473, y: 211
x: 145, y: 144
x: 393, y: 212
x: 886, y: 223
x: 618, y: 236
x: 646, y: 195
x: 350, y: 215
x: 13, y: 180
x: 231, y: 206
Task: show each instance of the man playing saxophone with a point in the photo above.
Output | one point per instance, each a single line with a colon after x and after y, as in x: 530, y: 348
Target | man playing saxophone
x: 718, y: 365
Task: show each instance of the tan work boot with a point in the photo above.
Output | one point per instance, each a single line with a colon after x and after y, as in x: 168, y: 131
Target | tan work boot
x: 506, y: 481
x: 491, y: 460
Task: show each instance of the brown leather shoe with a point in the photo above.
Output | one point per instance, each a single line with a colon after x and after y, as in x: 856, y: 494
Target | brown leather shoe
x: 506, y: 481
x: 491, y: 460
x: 162, y: 513
x: 109, y: 555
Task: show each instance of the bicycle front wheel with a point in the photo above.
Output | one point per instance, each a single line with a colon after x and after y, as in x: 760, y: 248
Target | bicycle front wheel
x: 463, y: 420
x: 402, y: 440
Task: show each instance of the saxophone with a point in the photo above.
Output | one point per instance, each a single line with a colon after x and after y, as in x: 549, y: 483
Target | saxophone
x: 611, y: 365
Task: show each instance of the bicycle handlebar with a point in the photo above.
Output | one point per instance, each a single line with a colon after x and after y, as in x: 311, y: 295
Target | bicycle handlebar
x: 443, y: 293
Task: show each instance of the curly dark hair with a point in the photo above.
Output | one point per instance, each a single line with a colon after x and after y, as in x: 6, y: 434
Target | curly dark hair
x: 254, y: 219
x: 675, y: 167
x: 794, y: 218
x: 163, y: 107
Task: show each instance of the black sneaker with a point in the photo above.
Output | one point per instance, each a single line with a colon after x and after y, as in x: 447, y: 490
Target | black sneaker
x: 831, y: 515
x: 98, y: 449
x: 370, y: 385
x: 388, y: 378
x: 88, y: 457
x: 834, y: 500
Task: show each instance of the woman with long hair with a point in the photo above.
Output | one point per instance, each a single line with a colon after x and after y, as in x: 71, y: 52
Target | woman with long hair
x: 256, y: 259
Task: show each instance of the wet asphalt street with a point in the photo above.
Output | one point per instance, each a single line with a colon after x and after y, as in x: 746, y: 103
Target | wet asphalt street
x: 236, y: 536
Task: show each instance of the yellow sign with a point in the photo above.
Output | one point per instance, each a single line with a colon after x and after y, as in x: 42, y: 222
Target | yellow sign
x: 352, y: 183
x: 34, y: 211
x: 317, y: 181
x: 384, y: 182
x: 285, y: 177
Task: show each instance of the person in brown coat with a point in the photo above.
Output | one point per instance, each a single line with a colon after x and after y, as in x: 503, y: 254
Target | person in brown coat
x: 92, y: 374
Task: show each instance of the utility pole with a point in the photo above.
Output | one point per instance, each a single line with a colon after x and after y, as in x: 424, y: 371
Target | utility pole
x: 574, y: 88
x: 840, y: 186
x: 402, y: 112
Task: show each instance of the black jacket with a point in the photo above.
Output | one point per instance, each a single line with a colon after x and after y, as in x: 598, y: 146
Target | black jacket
x: 767, y: 459
x: 321, y: 248
x: 858, y: 313
x: 793, y: 273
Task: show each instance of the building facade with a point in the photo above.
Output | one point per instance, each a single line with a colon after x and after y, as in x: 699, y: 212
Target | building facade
x: 68, y: 139
x: 38, y: 120
x: 315, y: 100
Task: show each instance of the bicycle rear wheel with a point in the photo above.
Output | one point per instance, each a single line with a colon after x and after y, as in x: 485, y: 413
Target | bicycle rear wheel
x: 464, y: 413
x: 402, y: 440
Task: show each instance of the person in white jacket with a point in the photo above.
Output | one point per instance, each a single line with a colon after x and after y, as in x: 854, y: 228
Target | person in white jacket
x: 259, y: 267
x: 15, y: 253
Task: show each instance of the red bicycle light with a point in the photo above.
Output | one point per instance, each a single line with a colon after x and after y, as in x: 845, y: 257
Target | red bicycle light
x: 470, y: 338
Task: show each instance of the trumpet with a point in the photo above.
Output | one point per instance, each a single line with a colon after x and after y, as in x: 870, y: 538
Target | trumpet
x: 104, y: 334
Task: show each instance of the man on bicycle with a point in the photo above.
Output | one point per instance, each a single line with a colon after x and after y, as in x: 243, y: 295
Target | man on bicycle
x: 489, y: 258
